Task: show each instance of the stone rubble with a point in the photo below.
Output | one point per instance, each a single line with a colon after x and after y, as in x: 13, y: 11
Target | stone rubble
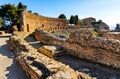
x: 83, y: 44
x: 39, y: 66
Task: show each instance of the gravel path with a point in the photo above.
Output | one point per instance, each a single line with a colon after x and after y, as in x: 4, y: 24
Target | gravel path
x: 9, y: 67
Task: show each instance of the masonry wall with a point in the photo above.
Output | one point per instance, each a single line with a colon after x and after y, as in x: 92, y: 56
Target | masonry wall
x: 111, y: 35
x: 84, y: 45
x: 31, y: 22
x: 38, y: 66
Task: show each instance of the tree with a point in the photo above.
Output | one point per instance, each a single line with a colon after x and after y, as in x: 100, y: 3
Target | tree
x: 36, y: 13
x: 62, y: 16
x: 99, y: 21
x: 72, y: 19
x: 76, y: 19
x: 117, y: 27
x: 30, y: 11
x: 21, y: 8
x: 11, y: 14
x: 9, y: 11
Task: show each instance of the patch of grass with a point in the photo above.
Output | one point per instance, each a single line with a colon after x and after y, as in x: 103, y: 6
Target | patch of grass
x: 24, y: 35
x: 96, y: 33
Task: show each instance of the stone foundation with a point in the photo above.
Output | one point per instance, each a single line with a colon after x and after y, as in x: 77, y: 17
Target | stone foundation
x: 111, y: 35
x: 39, y: 66
x: 2, y: 32
x: 84, y: 45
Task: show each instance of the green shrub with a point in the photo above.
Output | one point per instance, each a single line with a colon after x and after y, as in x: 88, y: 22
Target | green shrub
x: 96, y: 33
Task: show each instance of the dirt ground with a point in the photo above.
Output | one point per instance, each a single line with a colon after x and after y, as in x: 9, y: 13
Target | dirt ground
x: 9, y: 67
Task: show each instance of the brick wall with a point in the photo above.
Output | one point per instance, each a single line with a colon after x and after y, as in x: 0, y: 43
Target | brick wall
x: 31, y: 21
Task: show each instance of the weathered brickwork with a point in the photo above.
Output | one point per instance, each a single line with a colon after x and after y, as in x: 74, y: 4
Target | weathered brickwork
x: 30, y: 22
x: 83, y: 44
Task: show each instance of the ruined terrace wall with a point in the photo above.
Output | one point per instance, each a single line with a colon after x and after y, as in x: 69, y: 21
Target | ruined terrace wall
x: 111, y: 35
x: 84, y: 45
x: 31, y: 22
x: 39, y: 66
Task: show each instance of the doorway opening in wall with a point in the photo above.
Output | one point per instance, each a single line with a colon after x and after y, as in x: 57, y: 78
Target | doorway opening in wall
x: 28, y: 29
x: 42, y: 25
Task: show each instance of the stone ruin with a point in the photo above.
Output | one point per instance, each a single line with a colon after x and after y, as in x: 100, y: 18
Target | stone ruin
x: 83, y: 44
x: 29, y: 22
x: 80, y: 42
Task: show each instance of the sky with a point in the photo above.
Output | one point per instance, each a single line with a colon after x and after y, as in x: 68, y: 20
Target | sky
x: 106, y: 10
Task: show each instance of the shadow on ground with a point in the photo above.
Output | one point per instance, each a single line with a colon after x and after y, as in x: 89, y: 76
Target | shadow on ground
x: 11, y: 67
x: 33, y: 42
x: 93, y: 69
x: 15, y: 71
x: 5, y: 36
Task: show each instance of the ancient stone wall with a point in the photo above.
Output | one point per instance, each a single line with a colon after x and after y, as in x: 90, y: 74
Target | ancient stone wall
x: 84, y: 45
x: 111, y: 35
x: 31, y: 21
x: 2, y: 32
x: 39, y: 66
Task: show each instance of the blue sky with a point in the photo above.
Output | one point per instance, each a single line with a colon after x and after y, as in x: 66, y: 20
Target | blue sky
x: 107, y: 10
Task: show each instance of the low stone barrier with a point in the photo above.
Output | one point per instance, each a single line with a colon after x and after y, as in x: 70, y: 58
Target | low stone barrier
x: 2, y: 32
x: 111, y: 35
x: 83, y: 44
x: 39, y: 66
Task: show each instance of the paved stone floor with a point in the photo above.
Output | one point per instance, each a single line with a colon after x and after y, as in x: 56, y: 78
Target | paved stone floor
x: 9, y: 67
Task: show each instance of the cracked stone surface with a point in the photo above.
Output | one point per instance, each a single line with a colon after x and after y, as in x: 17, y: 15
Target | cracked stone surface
x: 9, y: 67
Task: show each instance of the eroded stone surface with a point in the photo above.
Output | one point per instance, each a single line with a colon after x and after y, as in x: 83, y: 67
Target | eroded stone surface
x: 48, y: 68
x: 83, y: 44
